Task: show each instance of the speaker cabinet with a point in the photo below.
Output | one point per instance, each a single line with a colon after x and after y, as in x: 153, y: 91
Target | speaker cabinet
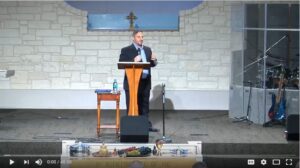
x: 134, y: 129
x: 292, y: 127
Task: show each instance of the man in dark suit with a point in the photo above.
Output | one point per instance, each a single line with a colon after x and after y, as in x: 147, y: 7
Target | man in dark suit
x: 137, y: 52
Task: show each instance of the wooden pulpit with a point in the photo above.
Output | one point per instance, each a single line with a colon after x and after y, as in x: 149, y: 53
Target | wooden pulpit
x: 133, y: 72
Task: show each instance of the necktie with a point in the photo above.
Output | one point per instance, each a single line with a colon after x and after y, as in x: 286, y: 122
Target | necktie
x: 144, y: 59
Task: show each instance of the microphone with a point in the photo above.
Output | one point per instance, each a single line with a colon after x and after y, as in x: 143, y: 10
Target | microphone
x: 139, y: 51
x: 139, y: 54
x: 287, y: 35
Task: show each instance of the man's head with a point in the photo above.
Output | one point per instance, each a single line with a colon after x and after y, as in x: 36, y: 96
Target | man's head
x: 138, y: 37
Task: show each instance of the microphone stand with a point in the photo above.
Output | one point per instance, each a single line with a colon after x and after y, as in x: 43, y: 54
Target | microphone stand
x: 164, y: 138
x: 246, y: 118
x: 246, y: 68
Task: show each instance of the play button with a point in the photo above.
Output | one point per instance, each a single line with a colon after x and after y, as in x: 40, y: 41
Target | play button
x: 11, y: 162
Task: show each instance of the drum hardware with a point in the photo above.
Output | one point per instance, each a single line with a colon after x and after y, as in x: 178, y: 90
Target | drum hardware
x: 294, y: 78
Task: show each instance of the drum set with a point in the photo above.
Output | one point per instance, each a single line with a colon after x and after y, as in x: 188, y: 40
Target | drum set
x: 291, y: 77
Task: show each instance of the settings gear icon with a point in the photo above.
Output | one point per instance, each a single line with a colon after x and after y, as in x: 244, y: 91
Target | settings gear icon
x: 263, y: 162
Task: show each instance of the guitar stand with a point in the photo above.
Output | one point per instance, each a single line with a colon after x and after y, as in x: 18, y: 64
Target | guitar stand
x: 274, y: 122
x: 246, y: 118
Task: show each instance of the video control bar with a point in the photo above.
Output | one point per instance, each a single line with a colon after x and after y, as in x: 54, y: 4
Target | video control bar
x: 25, y: 161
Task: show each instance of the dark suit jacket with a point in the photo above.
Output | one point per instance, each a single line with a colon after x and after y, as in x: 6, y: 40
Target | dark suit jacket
x: 127, y: 55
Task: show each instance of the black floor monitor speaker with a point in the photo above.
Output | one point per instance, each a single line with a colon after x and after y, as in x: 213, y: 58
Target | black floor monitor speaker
x: 292, y: 127
x: 134, y: 129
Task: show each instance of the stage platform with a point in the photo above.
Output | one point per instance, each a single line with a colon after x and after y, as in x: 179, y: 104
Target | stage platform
x: 43, y: 132
x: 181, y: 126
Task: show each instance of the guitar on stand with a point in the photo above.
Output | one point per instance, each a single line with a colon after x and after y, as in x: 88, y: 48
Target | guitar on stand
x: 277, y: 113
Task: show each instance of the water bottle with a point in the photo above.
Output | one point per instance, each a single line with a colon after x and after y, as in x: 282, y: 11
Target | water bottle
x: 115, y: 86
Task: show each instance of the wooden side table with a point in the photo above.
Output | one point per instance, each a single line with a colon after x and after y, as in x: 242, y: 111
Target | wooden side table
x: 108, y: 97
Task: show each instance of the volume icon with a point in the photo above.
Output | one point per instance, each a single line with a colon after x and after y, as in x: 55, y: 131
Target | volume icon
x: 39, y: 162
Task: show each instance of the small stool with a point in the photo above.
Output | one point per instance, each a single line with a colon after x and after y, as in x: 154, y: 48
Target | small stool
x: 108, y: 97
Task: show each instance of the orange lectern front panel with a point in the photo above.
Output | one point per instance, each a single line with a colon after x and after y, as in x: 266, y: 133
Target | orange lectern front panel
x: 133, y: 72
x: 133, y: 77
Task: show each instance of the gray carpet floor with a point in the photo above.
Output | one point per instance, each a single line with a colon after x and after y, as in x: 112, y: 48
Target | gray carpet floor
x: 181, y: 126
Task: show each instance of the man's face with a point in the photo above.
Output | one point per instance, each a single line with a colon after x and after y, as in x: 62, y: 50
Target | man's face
x: 138, y: 38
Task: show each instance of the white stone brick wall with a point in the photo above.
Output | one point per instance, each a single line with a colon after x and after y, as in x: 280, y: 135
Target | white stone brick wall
x: 48, y: 45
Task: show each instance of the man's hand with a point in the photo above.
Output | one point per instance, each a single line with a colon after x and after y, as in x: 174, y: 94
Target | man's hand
x: 153, y: 57
x: 153, y: 60
x: 137, y: 58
